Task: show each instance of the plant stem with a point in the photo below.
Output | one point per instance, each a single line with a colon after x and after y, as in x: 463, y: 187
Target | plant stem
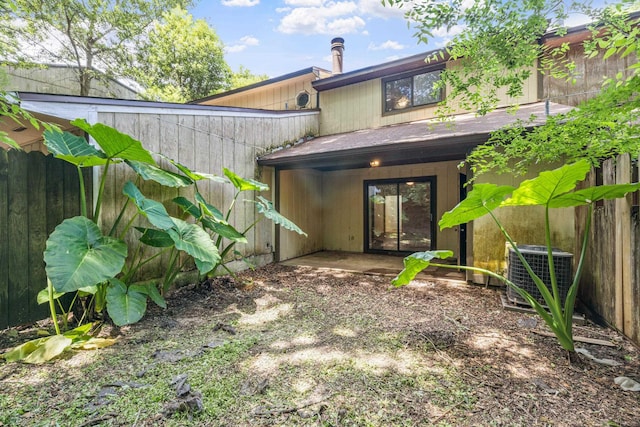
x: 552, y: 268
x: 83, y: 196
x: 52, y: 307
x: 103, y: 181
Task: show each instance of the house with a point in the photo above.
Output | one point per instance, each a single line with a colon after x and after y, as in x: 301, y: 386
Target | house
x: 355, y: 158
x: 380, y: 172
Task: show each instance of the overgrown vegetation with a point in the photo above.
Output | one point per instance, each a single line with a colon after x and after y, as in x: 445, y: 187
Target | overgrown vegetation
x: 98, y: 268
x: 551, y: 189
x: 497, y: 46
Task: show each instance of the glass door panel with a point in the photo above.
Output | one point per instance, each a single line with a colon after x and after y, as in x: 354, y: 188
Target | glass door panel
x: 399, y: 215
x: 415, y: 216
x: 383, y: 217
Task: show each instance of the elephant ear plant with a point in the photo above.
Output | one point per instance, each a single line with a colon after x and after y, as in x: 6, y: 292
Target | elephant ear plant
x: 551, y: 189
x: 100, y: 267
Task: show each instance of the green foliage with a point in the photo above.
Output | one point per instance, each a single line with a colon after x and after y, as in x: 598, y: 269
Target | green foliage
x: 181, y: 59
x: 216, y: 223
x: 600, y: 128
x: 78, y: 255
x: 243, y: 77
x: 88, y: 35
x: 10, y: 110
x: 497, y: 44
x: 550, y: 189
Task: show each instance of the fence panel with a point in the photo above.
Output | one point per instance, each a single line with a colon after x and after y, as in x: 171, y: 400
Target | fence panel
x: 36, y: 193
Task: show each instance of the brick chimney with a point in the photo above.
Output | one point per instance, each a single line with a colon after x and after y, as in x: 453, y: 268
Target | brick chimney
x: 337, y: 52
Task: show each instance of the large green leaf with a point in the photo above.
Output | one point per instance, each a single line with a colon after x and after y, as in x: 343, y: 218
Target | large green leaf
x: 265, y: 207
x: 39, y: 351
x: 225, y: 230
x: 151, y: 290
x: 153, y: 210
x: 195, y: 176
x: 480, y: 201
x: 159, y: 175
x: 193, y: 240
x: 155, y: 238
x: 116, y: 145
x: 208, y: 208
x: 213, y: 221
x: 593, y: 194
x: 73, y: 149
x: 125, y: 305
x: 78, y: 255
x: 244, y: 184
x: 542, y: 189
x: 415, y: 263
x: 188, y: 207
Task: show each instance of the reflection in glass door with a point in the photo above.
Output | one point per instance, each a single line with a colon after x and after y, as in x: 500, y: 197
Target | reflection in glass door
x: 399, y: 214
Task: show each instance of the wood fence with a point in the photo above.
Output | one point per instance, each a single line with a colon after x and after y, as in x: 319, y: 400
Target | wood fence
x: 36, y: 193
x: 610, y: 284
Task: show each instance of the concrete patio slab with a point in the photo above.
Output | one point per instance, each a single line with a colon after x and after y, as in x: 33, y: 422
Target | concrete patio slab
x: 363, y: 263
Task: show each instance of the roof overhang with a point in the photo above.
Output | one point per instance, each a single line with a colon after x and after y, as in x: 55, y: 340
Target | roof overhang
x: 409, y: 143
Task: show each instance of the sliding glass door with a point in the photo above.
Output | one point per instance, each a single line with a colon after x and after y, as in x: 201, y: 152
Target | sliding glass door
x: 399, y: 214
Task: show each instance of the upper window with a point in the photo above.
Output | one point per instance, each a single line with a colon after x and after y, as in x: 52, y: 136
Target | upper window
x: 411, y: 91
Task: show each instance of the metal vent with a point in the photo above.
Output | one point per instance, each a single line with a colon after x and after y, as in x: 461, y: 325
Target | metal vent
x: 302, y: 99
x: 536, y: 256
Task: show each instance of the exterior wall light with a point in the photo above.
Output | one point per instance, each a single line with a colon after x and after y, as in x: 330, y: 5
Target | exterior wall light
x: 374, y: 163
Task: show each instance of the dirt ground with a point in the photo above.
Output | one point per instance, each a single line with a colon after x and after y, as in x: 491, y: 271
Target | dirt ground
x: 287, y: 346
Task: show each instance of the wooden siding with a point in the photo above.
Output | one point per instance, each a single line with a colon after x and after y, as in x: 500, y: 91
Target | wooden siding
x: 301, y: 201
x: 206, y: 143
x: 339, y: 225
x: 589, y: 76
x: 37, y: 193
x: 359, y: 106
x: 61, y: 81
x: 610, y: 283
x: 277, y: 96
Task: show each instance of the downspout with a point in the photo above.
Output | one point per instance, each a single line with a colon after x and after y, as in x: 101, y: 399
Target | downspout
x: 276, y: 203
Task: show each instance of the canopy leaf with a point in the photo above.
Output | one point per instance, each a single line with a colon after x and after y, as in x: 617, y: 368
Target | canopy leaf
x: 125, y: 305
x: 78, y: 255
x: 480, y: 201
x: 153, y: 210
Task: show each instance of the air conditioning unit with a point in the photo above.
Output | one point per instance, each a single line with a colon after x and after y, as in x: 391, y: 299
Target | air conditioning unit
x: 536, y: 257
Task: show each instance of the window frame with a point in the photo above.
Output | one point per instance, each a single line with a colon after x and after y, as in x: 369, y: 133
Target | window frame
x: 412, y: 75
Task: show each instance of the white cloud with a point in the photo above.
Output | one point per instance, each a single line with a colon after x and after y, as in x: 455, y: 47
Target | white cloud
x: 250, y: 41
x: 377, y: 9
x: 304, y: 3
x: 453, y: 31
x: 388, y: 45
x: 245, y: 42
x: 240, y: 3
x: 332, y: 18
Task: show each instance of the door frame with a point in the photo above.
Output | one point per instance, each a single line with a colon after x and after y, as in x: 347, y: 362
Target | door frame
x: 431, y: 179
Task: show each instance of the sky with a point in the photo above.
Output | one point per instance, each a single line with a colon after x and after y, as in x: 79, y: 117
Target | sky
x: 282, y: 36
x: 276, y: 37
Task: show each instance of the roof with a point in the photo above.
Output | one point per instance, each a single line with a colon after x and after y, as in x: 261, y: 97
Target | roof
x: 409, y: 63
x: 554, y: 38
x: 417, y: 142
x: 71, y: 106
x: 311, y: 70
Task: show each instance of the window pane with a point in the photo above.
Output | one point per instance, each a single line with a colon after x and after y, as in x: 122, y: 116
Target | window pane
x: 423, y: 91
x: 397, y: 94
